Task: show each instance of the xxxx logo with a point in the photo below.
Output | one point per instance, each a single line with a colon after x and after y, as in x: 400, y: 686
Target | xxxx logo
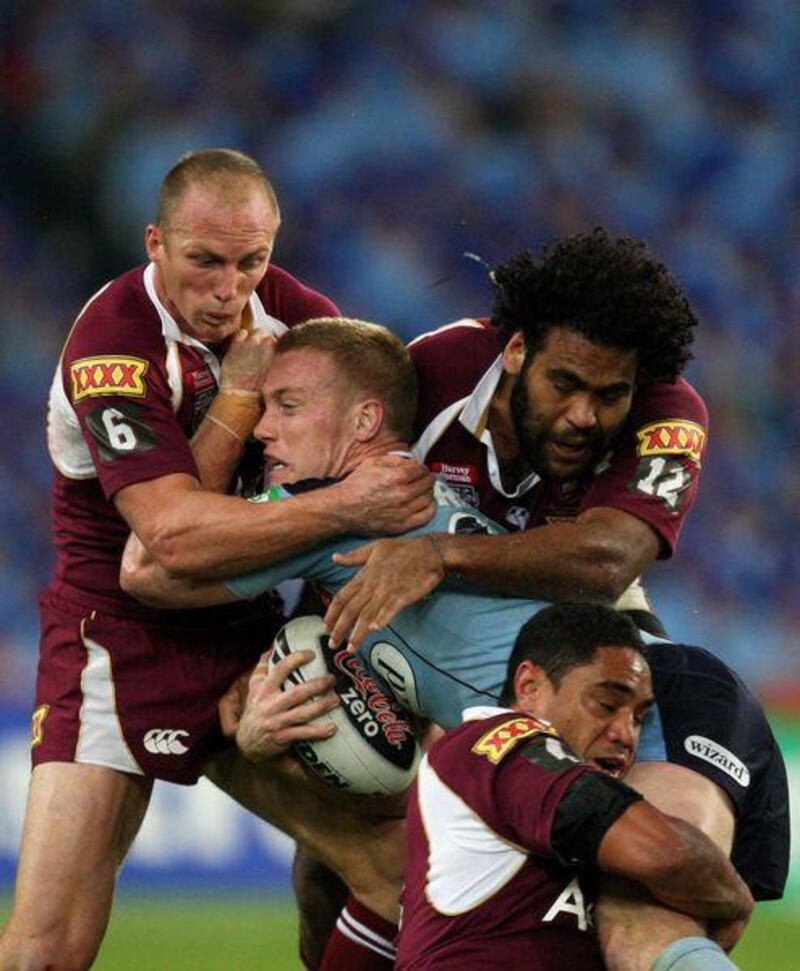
x: 37, y: 725
x: 107, y: 375
x: 671, y: 438
x: 498, y: 742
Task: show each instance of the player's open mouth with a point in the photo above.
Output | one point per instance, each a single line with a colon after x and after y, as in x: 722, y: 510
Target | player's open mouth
x: 570, y: 450
x: 273, y: 464
x: 611, y: 764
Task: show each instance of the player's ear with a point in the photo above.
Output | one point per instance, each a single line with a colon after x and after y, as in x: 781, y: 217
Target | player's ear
x: 529, y: 680
x: 368, y: 419
x: 153, y: 242
x: 514, y: 354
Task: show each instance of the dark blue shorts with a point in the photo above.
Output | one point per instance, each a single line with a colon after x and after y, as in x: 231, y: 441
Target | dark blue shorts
x: 708, y: 720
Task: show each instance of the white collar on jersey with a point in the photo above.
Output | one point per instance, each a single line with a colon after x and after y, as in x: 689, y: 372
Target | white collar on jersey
x: 478, y: 712
x: 471, y: 413
x: 474, y: 712
x: 261, y: 319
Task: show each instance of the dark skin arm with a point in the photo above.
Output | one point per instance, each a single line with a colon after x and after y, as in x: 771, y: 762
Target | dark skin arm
x: 595, y: 557
x: 680, y: 866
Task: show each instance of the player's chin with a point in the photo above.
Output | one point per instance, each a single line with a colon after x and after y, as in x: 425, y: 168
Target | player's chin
x: 564, y: 464
x: 210, y: 329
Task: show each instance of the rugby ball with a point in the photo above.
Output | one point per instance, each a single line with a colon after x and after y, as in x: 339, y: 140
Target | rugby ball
x: 374, y: 751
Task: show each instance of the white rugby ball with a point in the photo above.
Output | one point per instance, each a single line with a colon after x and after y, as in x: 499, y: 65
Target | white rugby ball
x: 374, y: 751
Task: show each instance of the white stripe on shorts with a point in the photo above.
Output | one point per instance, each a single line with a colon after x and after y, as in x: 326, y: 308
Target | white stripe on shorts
x: 363, y: 935
x: 100, y: 741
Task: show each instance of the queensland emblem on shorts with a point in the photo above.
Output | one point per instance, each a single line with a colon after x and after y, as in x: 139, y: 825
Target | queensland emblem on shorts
x: 37, y: 725
x: 671, y: 438
x: 502, y: 739
x: 92, y: 376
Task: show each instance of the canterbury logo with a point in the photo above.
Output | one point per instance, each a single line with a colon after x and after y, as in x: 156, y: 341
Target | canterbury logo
x: 108, y: 375
x: 166, y: 741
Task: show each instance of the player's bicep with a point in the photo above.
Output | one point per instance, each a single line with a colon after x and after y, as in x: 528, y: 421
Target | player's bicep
x: 586, y: 814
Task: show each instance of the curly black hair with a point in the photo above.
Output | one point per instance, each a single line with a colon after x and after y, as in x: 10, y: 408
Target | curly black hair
x: 613, y: 291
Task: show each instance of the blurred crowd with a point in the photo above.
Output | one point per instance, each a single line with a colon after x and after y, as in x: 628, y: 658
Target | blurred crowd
x: 400, y: 137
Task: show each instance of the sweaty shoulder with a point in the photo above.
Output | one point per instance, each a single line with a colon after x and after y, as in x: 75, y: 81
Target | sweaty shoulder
x: 291, y: 301
x: 670, y: 417
x: 450, y: 361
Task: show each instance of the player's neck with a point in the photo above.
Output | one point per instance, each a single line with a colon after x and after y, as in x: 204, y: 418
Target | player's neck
x: 513, y: 467
x: 365, y: 450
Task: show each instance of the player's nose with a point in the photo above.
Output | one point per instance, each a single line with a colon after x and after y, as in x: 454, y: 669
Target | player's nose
x: 225, y: 284
x: 581, y: 412
x: 623, y: 729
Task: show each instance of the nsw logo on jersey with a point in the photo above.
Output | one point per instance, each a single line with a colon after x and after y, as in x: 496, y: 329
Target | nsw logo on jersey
x: 671, y: 438
x: 107, y: 375
x: 503, y: 738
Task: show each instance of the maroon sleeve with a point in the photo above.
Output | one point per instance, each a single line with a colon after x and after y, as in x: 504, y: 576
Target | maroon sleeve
x: 114, y: 377
x: 291, y: 301
x: 528, y: 793
x: 449, y: 362
x: 513, y: 770
x: 654, y: 468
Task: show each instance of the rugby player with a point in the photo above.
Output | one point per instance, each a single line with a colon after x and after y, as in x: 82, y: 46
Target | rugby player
x: 566, y: 419
x: 138, y: 372
x: 338, y: 394
x: 506, y: 827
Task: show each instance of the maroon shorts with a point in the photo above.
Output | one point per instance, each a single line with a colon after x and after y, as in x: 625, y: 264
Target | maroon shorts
x: 133, y: 696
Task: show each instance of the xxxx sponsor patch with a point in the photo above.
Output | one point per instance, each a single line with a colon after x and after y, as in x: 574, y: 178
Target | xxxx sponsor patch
x: 671, y: 438
x: 503, y: 738
x: 107, y: 375
x: 37, y: 725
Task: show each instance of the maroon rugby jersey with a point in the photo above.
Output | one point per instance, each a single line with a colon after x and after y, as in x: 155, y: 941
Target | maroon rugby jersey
x: 651, y: 471
x: 129, y: 391
x: 484, y: 888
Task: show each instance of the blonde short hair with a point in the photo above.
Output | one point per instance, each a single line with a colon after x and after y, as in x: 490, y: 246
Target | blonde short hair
x: 370, y: 358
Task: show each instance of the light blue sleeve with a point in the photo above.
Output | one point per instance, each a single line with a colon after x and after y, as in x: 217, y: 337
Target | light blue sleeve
x: 314, y: 564
x: 452, y: 516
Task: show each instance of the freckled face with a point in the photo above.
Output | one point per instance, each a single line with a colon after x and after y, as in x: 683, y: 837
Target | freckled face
x: 212, y: 253
x: 308, y: 424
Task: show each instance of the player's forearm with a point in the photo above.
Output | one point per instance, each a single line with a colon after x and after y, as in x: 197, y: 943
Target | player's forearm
x: 701, y: 880
x: 680, y: 866
x: 143, y: 578
x: 216, y: 453
x: 217, y: 536
x: 554, y: 562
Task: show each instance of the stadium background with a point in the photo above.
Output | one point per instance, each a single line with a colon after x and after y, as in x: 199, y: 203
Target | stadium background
x: 399, y: 137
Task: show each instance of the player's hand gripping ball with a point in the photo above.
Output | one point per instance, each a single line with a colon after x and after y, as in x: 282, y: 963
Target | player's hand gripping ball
x: 374, y: 750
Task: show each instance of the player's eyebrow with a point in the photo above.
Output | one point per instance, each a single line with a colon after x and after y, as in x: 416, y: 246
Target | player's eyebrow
x: 572, y: 377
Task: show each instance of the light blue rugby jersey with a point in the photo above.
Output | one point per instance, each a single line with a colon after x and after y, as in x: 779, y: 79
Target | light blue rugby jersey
x: 438, y: 656
x: 443, y: 654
